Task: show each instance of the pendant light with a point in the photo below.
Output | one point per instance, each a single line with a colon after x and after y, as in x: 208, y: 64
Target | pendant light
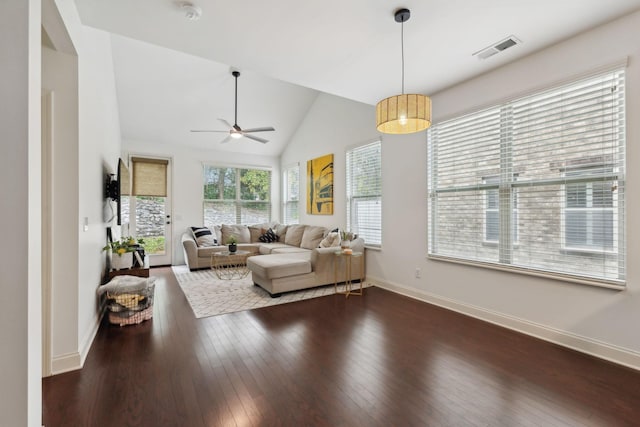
x: 405, y: 113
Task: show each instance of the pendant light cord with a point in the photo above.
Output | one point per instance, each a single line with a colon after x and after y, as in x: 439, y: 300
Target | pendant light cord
x: 402, y: 49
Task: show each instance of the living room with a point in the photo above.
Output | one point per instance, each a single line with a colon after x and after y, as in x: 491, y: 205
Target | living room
x: 590, y: 319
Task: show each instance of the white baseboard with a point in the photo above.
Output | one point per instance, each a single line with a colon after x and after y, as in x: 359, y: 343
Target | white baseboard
x: 65, y: 363
x: 602, y: 350
x: 74, y: 361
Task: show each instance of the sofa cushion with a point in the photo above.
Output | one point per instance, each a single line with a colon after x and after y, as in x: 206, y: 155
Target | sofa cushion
x: 255, y: 232
x: 266, y: 248
x: 289, y: 250
x: 203, y: 236
x: 281, y: 231
x: 275, y: 266
x: 312, y: 237
x: 294, y: 235
x: 240, y: 232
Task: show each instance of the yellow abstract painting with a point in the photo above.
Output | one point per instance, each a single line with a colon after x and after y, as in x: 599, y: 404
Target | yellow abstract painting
x: 320, y: 185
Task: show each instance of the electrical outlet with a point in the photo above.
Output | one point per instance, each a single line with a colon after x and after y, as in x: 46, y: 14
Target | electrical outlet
x: 418, y: 272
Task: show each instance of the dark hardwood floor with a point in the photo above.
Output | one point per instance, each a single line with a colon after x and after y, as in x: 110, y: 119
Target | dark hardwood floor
x: 377, y: 360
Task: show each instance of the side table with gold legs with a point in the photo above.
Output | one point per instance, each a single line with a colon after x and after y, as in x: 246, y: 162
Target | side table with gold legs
x: 348, y: 283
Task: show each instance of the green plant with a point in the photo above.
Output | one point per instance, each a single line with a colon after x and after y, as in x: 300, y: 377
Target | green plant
x: 232, y: 240
x: 347, y: 235
x: 124, y: 245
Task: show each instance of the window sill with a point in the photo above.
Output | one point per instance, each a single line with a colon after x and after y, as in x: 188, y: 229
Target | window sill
x: 618, y: 285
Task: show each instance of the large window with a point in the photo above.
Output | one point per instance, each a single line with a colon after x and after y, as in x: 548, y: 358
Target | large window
x: 291, y: 194
x: 364, y: 192
x: 536, y: 184
x: 236, y: 195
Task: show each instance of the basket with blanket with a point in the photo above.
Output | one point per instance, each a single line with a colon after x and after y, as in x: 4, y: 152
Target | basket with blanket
x: 129, y: 299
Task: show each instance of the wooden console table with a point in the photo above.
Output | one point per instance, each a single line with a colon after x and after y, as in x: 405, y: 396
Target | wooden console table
x: 136, y: 271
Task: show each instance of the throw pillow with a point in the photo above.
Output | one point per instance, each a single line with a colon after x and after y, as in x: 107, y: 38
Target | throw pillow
x: 269, y: 237
x: 203, y: 236
x: 332, y: 240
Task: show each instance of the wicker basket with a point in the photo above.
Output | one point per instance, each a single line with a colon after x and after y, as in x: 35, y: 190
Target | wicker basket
x: 130, y: 308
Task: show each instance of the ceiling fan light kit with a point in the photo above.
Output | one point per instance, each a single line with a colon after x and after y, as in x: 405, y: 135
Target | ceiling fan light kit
x: 235, y: 131
x: 404, y: 113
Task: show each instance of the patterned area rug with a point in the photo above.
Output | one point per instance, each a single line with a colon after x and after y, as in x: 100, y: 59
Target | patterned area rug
x: 210, y: 296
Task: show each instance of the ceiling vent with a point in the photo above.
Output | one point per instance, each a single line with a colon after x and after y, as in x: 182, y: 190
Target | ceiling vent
x: 497, y: 47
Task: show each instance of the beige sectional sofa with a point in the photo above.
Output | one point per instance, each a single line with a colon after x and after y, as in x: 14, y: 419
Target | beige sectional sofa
x: 296, y: 261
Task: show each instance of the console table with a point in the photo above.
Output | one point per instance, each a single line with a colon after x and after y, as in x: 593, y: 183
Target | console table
x: 135, y: 271
x: 348, y: 283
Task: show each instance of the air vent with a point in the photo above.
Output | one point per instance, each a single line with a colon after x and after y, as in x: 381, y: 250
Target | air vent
x: 497, y: 47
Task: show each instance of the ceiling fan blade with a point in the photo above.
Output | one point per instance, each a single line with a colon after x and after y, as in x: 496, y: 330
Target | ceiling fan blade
x: 255, y: 138
x: 227, y: 139
x: 203, y: 130
x: 226, y: 123
x: 265, y: 129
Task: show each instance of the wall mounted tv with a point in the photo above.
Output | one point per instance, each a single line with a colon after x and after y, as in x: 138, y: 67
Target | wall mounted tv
x: 119, y: 190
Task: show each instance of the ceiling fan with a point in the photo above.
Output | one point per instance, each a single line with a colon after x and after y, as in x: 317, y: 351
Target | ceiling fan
x: 236, y: 131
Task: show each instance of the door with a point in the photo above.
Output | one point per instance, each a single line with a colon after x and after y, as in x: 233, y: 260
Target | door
x: 151, y: 208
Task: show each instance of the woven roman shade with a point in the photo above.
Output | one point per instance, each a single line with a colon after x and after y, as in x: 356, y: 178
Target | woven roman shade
x: 149, y: 177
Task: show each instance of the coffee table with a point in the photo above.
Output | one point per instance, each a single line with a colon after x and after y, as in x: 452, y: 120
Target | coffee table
x: 230, y: 265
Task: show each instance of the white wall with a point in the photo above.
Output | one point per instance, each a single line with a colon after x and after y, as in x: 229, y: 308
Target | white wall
x: 331, y: 125
x: 86, y: 146
x: 591, y: 319
x: 595, y: 320
x: 187, y: 186
x: 20, y: 316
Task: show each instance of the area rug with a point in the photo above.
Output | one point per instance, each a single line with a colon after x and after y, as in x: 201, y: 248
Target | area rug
x: 210, y: 296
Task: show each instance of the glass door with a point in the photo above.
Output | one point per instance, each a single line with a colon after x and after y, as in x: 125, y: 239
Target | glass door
x: 151, y: 210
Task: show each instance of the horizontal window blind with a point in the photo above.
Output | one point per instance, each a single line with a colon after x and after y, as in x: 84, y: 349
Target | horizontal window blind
x: 236, y: 195
x: 291, y: 196
x: 546, y: 170
x: 364, y: 192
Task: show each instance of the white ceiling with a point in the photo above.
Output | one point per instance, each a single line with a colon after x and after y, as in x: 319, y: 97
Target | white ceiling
x: 172, y: 74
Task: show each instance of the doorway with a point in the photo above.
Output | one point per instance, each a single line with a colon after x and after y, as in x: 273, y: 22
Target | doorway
x: 151, y: 208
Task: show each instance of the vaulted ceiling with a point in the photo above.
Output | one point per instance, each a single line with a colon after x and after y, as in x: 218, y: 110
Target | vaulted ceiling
x: 173, y: 74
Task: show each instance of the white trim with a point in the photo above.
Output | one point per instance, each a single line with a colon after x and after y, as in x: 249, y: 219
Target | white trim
x: 66, y: 363
x: 47, y: 227
x: 612, y: 353
x: 236, y: 166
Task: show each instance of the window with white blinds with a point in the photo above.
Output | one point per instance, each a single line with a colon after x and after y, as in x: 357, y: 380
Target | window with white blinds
x: 536, y: 184
x: 236, y: 195
x: 291, y: 194
x: 364, y: 192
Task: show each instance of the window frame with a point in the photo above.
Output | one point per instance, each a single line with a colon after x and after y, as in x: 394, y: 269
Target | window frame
x: 239, y: 204
x: 287, y: 201
x: 351, y: 199
x: 446, y: 190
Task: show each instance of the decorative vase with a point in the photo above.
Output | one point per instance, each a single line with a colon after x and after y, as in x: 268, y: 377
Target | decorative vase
x: 345, y: 244
x: 121, y: 262
x: 233, y: 247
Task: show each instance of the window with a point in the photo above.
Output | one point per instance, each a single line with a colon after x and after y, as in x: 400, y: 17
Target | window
x: 546, y: 170
x: 491, y: 216
x: 236, y: 195
x: 589, y: 210
x: 291, y: 194
x: 364, y: 192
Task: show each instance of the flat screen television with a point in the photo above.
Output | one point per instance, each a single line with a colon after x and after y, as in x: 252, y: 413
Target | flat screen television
x: 119, y: 190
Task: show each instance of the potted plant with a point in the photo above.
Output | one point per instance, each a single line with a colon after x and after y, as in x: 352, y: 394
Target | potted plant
x: 345, y: 240
x: 124, y: 249
x: 232, y: 242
